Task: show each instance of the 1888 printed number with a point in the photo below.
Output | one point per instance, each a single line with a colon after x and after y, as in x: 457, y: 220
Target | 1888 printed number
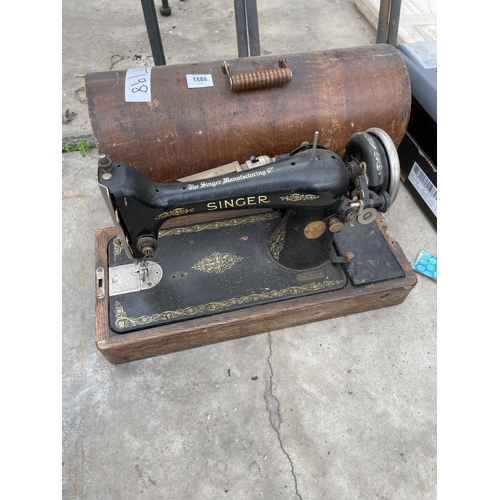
x: 196, y: 81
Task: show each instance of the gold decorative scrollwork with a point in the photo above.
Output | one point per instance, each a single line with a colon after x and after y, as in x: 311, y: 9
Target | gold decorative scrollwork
x: 277, y: 241
x: 117, y: 248
x: 299, y: 197
x: 217, y: 263
x: 123, y: 321
x: 194, y: 228
x: 174, y: 213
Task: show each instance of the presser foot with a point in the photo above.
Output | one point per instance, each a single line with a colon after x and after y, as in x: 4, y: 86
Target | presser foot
x: 134, y: 277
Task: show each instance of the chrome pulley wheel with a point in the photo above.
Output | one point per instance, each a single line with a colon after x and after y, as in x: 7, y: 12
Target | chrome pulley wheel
x: 392, y: 158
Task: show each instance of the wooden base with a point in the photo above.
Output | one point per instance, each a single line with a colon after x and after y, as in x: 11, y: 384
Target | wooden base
x: 156, y: 341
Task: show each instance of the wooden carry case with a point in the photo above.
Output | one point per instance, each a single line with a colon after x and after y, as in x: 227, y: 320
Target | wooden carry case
x: 182, y: 131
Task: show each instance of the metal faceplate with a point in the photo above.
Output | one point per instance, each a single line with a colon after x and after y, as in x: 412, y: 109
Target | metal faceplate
x: 134, y: 277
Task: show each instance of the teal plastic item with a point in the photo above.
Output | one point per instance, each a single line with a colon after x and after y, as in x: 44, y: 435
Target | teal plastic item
x: 426, y: 263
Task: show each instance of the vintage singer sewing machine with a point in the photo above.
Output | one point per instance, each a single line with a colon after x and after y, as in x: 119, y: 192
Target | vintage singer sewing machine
x: 273, y: 242
x: 204, y: 251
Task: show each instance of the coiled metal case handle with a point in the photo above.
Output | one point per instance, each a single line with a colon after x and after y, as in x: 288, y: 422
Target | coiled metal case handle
x: 259, y: 79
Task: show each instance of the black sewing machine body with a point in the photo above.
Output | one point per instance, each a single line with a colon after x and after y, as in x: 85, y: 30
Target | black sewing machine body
x: 307, y: 227
x: 310, y: 190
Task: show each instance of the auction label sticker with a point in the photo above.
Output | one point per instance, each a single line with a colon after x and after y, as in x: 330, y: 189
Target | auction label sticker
x: 198, y: 81
x: 424, y: 187
x: 138, y: 85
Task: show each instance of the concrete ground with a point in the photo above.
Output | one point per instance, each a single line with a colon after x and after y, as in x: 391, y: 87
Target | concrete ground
x: 339, y: 409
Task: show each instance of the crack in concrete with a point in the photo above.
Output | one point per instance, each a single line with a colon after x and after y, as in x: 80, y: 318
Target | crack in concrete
x: 273, y: 408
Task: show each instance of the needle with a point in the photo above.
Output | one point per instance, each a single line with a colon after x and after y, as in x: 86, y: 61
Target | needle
x: 315, y: 144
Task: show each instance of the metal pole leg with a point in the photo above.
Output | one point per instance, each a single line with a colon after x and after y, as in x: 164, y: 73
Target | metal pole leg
x: 383, y: 21
x: 392, y: 37
x: 240, y: 16
x: 165, y: 9
x: 148, y: 8
x: 253, y: 27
